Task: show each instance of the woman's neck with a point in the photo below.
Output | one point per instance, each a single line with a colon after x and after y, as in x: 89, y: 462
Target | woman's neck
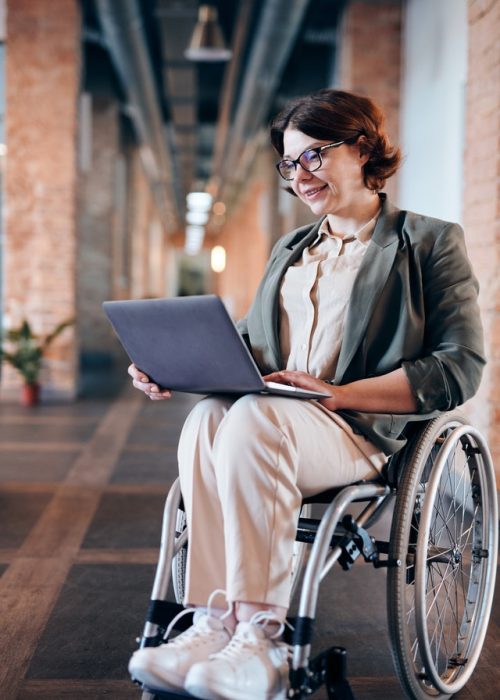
x: 357, y: 216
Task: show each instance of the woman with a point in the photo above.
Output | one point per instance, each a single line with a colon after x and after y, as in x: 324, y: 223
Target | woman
x: 373, y: 305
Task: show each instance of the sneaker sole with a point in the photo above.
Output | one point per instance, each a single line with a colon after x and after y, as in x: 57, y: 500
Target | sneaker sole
x: 156, y: 681
x: 224, y: 693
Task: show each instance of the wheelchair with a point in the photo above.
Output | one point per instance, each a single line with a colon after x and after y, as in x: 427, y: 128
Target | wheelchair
x: 441, y: 561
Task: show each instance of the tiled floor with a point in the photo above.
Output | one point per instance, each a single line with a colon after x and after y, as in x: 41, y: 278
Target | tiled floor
x: 81, y: 494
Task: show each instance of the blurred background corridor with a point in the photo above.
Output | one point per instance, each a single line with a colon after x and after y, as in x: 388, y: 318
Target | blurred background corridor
x: 134, y: 164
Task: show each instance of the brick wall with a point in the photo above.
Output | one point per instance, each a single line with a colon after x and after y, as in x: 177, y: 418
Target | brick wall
x: 482, y: 198
x: 42, y: 80
x: 370, y: 58
x: 247, y: 243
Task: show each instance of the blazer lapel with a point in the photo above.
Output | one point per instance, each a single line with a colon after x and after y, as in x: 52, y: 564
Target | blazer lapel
x: 370, y: 280
x: 287, y: 256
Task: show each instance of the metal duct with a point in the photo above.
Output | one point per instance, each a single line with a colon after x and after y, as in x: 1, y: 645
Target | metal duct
x: 121, y: 23
x: 278, y: 26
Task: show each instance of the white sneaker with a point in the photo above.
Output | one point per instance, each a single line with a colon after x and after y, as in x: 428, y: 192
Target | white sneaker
x: 165, y: 667
x: 253, y: 666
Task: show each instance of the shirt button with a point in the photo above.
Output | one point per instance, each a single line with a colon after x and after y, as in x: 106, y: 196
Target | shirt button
x: 304, y: 346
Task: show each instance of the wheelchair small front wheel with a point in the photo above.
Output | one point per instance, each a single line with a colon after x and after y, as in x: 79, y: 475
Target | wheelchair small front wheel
x: 179, y: 560
x: 444, y: 533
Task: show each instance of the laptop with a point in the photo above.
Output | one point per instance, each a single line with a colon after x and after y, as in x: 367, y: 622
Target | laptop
x: 191, y: 344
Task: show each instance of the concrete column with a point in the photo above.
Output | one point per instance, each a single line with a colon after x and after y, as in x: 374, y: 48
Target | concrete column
x: 98, y: 220
x: 481, y: 198
x: 42, y: 79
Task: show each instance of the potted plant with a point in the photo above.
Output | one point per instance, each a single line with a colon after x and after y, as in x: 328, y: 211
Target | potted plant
x: 25, y: 353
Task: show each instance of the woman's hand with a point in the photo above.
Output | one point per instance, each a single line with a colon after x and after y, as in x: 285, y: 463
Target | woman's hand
x: 141, y: 382
x: 387, y: 393
x: 303, y: 380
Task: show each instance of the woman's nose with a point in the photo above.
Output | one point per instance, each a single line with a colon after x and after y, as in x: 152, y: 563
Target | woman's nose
x: 301, y: 174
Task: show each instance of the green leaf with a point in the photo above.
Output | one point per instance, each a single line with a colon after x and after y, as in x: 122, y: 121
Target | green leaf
x: 27, y: 351
x: 57, y: 331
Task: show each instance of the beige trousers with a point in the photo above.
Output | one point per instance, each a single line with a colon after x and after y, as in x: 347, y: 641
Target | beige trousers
x: 244, y: 467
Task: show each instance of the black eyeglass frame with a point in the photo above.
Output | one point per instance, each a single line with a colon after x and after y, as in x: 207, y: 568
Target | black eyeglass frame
x: 318, y: 150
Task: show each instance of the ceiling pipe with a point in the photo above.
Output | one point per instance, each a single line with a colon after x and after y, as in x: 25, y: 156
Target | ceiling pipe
x: 278, y: 27
x: 121, y: 23
x: 228, y: 89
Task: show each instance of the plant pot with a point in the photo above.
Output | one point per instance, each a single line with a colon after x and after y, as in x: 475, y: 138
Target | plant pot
x: 30, y: 395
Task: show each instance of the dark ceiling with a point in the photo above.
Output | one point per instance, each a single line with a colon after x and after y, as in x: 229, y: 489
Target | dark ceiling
x: 201, y: 123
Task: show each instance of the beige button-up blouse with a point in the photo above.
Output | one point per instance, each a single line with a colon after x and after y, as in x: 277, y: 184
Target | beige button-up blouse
x: 314, y: 297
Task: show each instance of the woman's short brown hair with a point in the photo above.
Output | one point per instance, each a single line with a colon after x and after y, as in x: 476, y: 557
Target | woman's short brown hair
x: 335, y: 115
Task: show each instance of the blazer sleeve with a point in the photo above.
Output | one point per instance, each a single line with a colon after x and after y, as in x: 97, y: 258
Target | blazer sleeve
x: 449, y: 371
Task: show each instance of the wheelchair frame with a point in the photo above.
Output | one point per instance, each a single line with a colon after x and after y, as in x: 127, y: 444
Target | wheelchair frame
x: 438, y: 546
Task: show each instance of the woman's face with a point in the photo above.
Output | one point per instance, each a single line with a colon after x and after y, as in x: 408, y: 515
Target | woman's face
x: 337, y: 185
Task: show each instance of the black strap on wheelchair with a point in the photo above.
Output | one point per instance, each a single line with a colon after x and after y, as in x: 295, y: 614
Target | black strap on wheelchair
x: 302, y: 632
x: 162, y: 612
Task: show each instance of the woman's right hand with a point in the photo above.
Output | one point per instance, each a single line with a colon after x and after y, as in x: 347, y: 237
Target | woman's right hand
x: 141, y: 382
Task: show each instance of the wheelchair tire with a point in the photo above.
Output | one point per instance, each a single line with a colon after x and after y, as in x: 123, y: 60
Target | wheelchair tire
x: 444, y: 533
x: 179, y: 561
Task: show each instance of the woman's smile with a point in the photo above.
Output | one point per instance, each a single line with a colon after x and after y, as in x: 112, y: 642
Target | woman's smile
x: 313, y: 192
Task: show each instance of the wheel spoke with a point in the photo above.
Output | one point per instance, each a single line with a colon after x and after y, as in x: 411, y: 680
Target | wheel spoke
x: 446, y: 602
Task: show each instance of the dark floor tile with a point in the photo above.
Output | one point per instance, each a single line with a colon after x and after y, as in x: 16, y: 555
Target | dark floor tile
x: 159, y: 423
x: 352, y: 613
x: 175, y: 408
x: 35, y: 466
x: 18, y: 513
x: 92, y: 630
x: 35, y: 432
x: 126, y: 521
x: 153, y: 436
x: 78, y: 409
x: 146, y: 467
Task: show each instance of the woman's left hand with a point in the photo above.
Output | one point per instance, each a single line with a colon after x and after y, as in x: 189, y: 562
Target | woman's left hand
x: 303, y: 380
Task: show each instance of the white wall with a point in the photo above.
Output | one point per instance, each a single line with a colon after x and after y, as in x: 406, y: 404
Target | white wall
x: 433, y: 107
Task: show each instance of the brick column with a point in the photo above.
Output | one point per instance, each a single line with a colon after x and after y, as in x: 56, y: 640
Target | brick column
x: 370, y: 58
x: 42, y: 79
x: 247, y: 245
x: 482, y: 199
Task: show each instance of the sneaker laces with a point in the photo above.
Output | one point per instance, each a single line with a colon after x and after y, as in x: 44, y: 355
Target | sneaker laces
x: 189, y: 611
x: 240, y: 643
x: 264, y: 617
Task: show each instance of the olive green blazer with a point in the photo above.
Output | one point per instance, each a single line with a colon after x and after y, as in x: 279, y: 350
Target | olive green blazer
x: 413, y: 305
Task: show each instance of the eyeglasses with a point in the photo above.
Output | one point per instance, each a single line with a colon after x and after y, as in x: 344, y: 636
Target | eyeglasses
x: 310, y: 160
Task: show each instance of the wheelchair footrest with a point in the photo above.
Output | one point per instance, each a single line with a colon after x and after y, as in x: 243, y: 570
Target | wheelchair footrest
x: 329, y: 669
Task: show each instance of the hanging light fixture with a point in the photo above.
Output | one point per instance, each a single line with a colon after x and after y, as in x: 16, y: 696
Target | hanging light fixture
x: 207, y: 42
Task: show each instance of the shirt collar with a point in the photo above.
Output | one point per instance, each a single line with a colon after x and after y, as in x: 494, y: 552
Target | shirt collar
x: 363, y: 236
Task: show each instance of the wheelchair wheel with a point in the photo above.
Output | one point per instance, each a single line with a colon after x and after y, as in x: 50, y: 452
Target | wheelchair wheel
x: 179, y: 561
x: 444, y: 533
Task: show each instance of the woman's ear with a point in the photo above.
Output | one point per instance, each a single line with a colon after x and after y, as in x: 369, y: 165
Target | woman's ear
x: 363, y: 147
